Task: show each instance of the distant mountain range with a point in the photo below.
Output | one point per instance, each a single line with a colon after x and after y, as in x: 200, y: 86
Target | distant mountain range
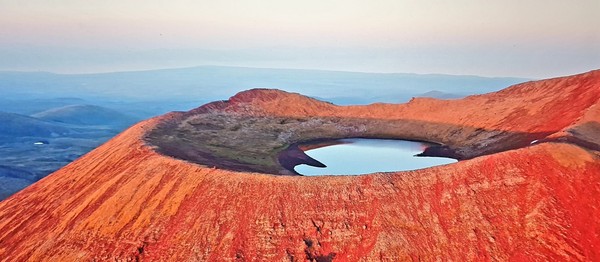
x: 208, y: 83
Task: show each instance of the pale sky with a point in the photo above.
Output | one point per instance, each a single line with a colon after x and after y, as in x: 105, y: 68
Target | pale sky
x: 537, y: 38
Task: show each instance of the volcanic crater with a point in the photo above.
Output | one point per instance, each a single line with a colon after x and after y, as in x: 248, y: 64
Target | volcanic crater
x: 207, y: 185
x: 240, y: 135
x: 272, y: 145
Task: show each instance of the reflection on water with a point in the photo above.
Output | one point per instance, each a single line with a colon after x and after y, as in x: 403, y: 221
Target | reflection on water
x: 362, y: 156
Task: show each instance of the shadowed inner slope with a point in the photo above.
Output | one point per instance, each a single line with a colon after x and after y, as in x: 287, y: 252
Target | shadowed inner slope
x: 269, y: 144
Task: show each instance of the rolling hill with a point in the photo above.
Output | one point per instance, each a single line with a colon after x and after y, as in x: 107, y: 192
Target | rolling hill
x: 86, y: 115
x: 20, y: 125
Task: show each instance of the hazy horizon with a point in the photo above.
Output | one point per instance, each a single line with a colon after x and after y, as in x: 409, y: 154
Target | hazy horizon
x: 213, y: 66
x: 532, y: 39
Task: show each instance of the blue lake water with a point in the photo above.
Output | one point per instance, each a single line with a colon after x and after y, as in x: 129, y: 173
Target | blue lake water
x: 363, y: 156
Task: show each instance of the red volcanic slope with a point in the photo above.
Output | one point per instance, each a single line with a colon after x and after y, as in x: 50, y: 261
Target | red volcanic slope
x: 541, y: 202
